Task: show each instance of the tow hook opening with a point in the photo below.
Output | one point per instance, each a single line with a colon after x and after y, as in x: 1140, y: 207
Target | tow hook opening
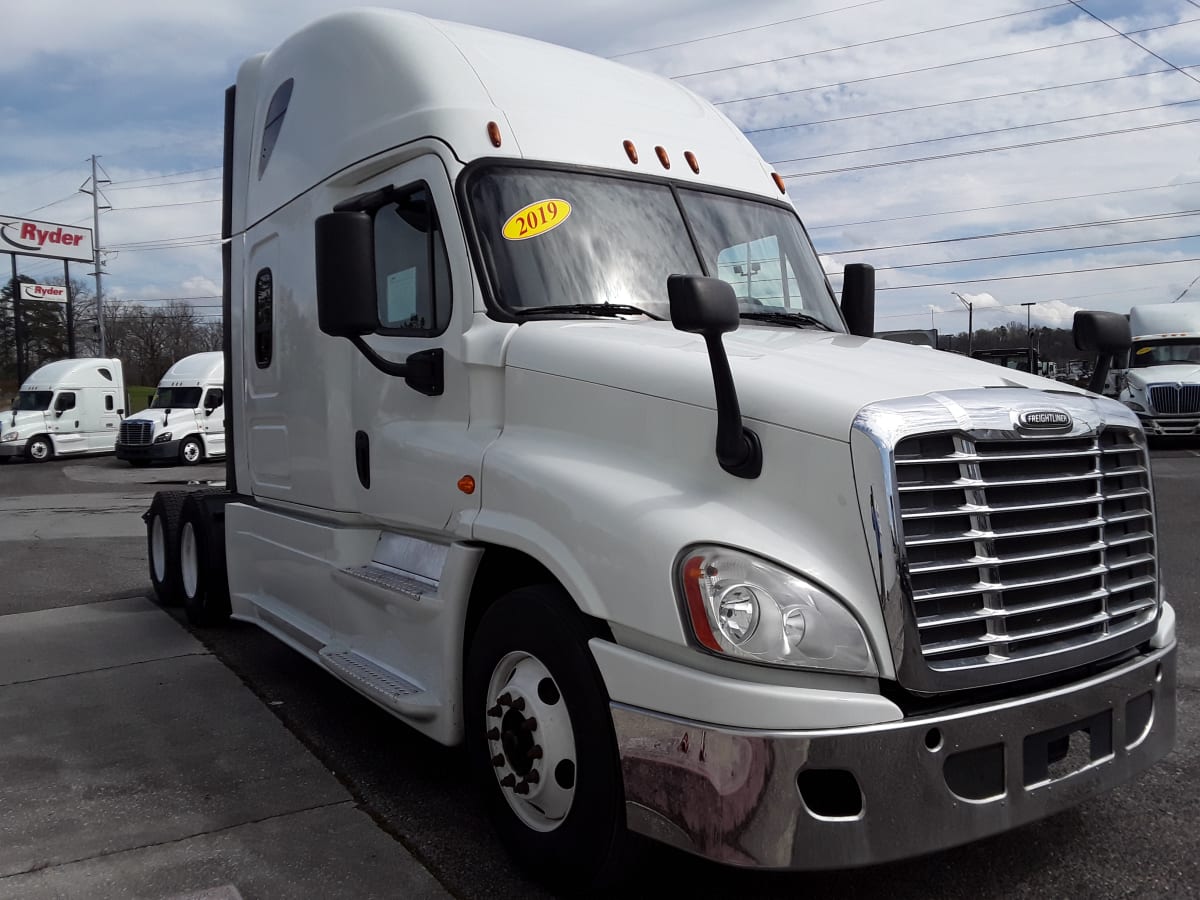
x: 830, y: 793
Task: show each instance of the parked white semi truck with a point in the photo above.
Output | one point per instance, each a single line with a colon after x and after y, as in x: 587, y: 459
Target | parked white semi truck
x: 1162, y: 383
x: 185, y: 422
x: 66, y: 408
x: 519, y: 451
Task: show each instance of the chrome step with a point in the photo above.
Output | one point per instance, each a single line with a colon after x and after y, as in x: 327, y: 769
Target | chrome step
x: 393, y: 580
x: 380, y: 684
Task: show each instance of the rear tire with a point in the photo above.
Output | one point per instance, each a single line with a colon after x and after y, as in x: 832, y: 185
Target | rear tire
x: 39, y: 449
x: 202, y: 575
x: 191, y: 451
x: 162, y: 545
x: 541, y: 742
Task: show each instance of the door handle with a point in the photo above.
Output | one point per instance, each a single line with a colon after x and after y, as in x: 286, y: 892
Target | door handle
x: 362, y: 458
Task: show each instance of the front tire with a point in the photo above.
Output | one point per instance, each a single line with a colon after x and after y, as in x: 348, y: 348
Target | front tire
x: 39, y: 449
x: 191, y: 451
x: 541, y: 741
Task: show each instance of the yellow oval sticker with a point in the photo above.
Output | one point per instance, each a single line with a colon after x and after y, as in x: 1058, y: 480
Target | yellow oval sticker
x: 536, y: 219
x: 1142, y: 351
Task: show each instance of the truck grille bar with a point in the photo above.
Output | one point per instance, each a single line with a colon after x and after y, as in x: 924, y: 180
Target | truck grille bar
x: 1175, y: 398
x: 1022, y: 548
x: 135, y: 433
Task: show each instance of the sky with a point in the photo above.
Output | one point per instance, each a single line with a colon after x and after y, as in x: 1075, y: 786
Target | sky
x: 1009, y: 151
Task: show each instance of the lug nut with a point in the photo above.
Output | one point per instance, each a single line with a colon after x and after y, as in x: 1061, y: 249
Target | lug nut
x: 522, y: 788
x: 504, y: 699
x: 498, y: 760
x: 508, y: 781
x: 530, y: 724
x: 519, y: 704
x: 535, y: 752
x: 493, y: 734
x: 533, y: 777
x: 496, y: 712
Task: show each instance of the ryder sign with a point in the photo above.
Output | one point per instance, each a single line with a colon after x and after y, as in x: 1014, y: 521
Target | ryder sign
x: 32, y: 238
x: 53, y: 292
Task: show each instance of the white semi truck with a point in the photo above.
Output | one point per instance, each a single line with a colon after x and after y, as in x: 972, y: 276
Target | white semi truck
x: 185, y: 421
x: 518, y: 450
x: 67, y: 408
x: 1162, y: 382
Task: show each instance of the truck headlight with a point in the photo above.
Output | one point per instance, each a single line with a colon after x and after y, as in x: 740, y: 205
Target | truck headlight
x: 1135, y: 406
x: 747, y: 608
x: 163, y: 438
x: 10, y: 436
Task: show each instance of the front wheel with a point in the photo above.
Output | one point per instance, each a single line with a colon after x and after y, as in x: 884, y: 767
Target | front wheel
x: 541, y: 740
x: 191, y: 451
x: 39, y: 449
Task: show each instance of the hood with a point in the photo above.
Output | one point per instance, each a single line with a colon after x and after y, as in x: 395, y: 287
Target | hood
x: 1183, y: 373
x: 27, y: 418
x: 815, y: 381
x: 157, y: 415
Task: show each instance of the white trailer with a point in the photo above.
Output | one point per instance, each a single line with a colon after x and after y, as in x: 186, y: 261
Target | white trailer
x: 185, y: 421
x: 1162, y: 383
x: 66, y: 408
x: 548, y: 436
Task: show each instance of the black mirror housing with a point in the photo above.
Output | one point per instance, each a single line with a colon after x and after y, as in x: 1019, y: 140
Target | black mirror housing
x: 858, y: 299
x: 702, y: 305
x: 345, y: 263
x: 1101, y: 332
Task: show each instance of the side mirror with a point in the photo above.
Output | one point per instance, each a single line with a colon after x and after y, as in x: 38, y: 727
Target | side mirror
x: 345, y: 262
x: 708, y: 307
x: 858, y: 299
x: 1107, y: 335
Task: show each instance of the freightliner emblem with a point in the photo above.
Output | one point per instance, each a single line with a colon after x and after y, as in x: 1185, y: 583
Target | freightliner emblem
x: 1044, y: 420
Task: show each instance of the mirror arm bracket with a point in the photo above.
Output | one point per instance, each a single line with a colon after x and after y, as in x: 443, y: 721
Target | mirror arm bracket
x: 423, y: 371
x: 739, y: 451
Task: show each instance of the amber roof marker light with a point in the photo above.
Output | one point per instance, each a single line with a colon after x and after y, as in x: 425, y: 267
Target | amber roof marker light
x: 662, y: 157
x: 692, y: 161
x: 779, y: 182
x: 631, y: 152
x: 493, y: 131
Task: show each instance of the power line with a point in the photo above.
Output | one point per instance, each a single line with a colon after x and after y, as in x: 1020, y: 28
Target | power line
x: 971, y: 134
x: 924, y: 106
x: 182, y: 237
x: 1081, y: 8
x: 167, y: 175
x: 951, y: 212
x: 1007, y: 55
x: 29, y: 184
x: 1125, y: 220
x: 163, y: 205
x: 1164, y: 262
x: 145, y: 187
x: 170, y: 246
x: 897, y: 37
x: 73, y: 195
x: 744, y: 30
x: 955, y: 262
x: 1042, y: 143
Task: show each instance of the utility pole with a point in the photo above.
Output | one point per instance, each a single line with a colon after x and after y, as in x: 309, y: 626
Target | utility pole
x: 970, y: 321
x: 1028, y: 321
x: 95, y: 192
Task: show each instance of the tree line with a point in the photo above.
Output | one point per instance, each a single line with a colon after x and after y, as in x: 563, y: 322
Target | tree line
x: 147, y: 338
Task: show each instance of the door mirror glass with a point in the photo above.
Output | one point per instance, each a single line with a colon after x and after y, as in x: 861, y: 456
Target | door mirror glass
x: 345, y: 260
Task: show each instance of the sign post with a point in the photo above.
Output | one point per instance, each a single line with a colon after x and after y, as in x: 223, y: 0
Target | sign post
x: 48, y: 240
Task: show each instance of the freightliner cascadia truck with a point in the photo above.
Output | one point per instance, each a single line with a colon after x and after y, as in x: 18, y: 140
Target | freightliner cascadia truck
x: 547, y: 433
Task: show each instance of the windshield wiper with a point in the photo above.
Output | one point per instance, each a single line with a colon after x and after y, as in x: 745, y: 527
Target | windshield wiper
x: 794, y: 319
x: 589, y: 309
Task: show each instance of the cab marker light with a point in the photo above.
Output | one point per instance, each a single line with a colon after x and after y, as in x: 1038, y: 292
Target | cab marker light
x: 631, y: 152
x: 493, y: 131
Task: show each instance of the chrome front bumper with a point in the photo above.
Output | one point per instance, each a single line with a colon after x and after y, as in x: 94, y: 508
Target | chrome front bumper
x: 918, y: 785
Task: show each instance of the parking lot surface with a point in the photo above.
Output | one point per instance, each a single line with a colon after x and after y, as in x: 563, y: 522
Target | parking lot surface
x: 336, y: 798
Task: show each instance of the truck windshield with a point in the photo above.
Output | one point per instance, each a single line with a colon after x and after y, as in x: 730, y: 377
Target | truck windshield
x: 33, y: 401
x: 565, y: 239
x: 1164, y: 353
x: 177, y: 398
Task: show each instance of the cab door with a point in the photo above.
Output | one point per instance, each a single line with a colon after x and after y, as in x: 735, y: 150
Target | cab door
x: 212, y: 421
x: 410, y: 447
x: 108, y: 421
x: 65, y: 423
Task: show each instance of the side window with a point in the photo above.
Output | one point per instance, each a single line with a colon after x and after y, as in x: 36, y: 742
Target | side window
x: 215, y: 398
x: 104, y: 373
x: 108, y: 402
x: 264, y: 301
x: 64, y: 401
x: 761, y: 274
x: 412, y: 273
x: 273, y: 123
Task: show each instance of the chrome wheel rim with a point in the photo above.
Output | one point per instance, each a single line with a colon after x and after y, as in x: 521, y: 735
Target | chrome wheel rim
x: 39, y: 450
x: 191, y: 451
x: 189, y: 563
x: 530, y: 741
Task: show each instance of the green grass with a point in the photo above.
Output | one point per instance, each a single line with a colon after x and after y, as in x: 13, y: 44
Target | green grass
x: 139, y: 397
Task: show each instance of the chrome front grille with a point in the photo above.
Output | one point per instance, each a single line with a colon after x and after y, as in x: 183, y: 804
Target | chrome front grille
x: 1024, y: 547
x: 1172, y: 399
x: 135, y: 432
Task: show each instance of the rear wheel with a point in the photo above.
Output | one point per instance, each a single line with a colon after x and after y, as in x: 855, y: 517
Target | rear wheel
x: 202, y: 576
x: 162, y: 545
x: 191, y: 451
x: 541, y: 741
x: 39, y: 449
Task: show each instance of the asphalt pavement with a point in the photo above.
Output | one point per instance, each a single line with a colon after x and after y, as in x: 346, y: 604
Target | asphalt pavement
x: 140, y: 759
